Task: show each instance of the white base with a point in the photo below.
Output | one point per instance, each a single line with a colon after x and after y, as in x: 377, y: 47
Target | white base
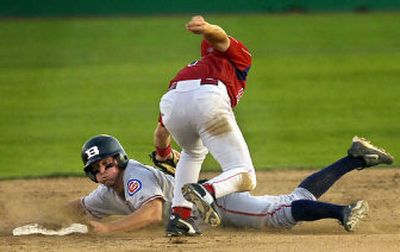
x: 37, y: 229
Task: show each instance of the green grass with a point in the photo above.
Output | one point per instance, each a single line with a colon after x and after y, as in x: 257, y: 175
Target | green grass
x: 316, y: 81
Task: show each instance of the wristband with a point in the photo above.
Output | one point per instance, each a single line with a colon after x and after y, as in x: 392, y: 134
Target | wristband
x: 163, y: 152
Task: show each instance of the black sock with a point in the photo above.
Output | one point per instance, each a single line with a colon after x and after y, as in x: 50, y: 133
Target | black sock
x: 319, y: 182
x: 309, y: 210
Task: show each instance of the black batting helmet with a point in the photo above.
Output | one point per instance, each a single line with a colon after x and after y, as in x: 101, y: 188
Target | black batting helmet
x: 100, y: 147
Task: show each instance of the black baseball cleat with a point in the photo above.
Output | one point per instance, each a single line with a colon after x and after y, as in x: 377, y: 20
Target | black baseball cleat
x: 372, y: 155
x: 353, y: 214
x: 204, y: 201
x: 180, y: 227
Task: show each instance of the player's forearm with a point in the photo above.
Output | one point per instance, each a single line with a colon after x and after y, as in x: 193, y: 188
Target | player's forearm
x: 162, y: 138
x: 162, y: 142
x: 132, y: 223
x: 214, y: 34
x: 143, y: 217
x: 217, y: 37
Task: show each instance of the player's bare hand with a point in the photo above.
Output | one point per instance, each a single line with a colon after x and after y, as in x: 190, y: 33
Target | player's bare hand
x: 99, y: 228
x: 197, y: 25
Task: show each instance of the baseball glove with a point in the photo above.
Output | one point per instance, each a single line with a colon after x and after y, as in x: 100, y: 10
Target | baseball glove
x: 168, y: 166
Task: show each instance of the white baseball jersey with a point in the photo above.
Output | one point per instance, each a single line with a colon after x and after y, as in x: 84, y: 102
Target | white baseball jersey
x: 141, y: 184
x: 144, y: 183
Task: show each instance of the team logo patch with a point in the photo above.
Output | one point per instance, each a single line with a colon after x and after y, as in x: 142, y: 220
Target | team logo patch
x: 133, y: 186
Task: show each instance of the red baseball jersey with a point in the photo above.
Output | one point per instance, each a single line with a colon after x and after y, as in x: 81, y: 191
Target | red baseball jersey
x: 230, y: 67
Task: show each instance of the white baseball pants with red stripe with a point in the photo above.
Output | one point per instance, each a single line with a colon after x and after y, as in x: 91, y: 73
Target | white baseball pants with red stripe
x: 200, y: 119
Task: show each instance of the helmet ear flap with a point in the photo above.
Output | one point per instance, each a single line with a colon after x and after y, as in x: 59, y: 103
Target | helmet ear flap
x: 122, y: 160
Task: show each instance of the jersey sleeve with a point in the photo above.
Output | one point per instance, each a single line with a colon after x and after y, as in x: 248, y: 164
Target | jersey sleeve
x: 238, y: 55
x: 206, y: 48
x: 142, y: 188
x: 95, y: 203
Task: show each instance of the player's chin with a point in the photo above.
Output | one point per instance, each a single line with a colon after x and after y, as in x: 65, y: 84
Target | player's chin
x: 108, y: 183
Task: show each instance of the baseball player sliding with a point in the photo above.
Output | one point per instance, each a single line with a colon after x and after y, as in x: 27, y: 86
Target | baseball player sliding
x: 197, y: 112
x: 143, y: 194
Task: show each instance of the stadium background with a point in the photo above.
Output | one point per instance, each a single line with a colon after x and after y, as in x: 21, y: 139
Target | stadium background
x: 323, y: 71
x: 31, y: 8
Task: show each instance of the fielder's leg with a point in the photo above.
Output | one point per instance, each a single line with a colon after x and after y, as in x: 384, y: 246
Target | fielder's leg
x: 193, y: 154
x: 221, y: 135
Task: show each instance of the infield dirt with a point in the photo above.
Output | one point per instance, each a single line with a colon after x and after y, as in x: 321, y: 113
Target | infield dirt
x: 25, y: 201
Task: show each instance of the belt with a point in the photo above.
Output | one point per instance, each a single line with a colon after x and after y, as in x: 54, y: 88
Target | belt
x: 205, y: 81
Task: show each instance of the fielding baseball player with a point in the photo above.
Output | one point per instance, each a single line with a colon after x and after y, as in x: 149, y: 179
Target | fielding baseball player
x: 197, y: 112
x: 144, y: 194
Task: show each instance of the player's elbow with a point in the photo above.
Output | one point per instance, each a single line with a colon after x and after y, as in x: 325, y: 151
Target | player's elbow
x: 155, y: 217
x: 222, y: 45
x: 155, y: 212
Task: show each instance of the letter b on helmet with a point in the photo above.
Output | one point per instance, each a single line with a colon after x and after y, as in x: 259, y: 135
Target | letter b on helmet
x: 92, y: 152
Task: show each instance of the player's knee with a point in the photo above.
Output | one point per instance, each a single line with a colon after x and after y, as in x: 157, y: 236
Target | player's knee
x: 248, y: 181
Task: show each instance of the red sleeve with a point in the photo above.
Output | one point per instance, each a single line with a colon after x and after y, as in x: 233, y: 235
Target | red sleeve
x: 206, y: 48
x: 238, y: 54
